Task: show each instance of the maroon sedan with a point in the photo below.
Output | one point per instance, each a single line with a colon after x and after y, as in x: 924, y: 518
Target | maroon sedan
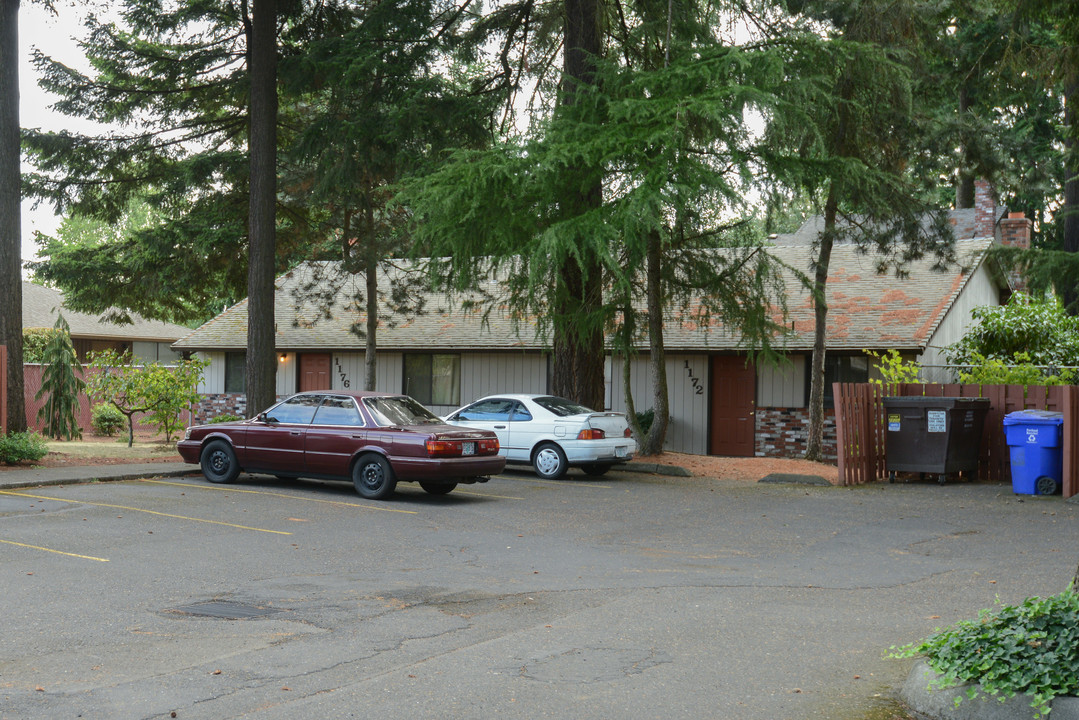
x: 374, y: 439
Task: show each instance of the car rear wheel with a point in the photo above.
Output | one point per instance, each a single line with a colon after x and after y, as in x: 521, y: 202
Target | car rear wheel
x: 595, y: 470
x: 438, y: 488
x: 373, y: 477
x: 218, y: 462
x: 549, y: 461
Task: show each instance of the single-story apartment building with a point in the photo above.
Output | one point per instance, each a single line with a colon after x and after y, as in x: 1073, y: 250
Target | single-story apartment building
x: 147, y: 340
x: 719, y: 404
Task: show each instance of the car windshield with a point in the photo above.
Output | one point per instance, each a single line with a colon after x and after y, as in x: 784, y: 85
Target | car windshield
x: 561, y: 406
x: 399, y: 410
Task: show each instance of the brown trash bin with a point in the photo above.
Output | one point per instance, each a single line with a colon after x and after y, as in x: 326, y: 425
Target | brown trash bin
x: 933, y: 435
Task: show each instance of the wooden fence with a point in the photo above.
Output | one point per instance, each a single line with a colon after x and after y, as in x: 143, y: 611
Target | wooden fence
x: 860, y: 426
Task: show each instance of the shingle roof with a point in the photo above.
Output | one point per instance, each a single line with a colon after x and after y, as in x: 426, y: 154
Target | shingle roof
x: 867, y: 310
x: 40, y: 306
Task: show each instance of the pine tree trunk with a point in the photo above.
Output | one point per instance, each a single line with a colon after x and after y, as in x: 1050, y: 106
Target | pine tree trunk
x: 10, y: 218
x: 577, y: 358
x: 815, y: 441
x: 964, y: 192
x: 577, y: 362
x: 657, y: 434
x: 1070, y: 211
x: 371, y: 273
x: 261, y: 379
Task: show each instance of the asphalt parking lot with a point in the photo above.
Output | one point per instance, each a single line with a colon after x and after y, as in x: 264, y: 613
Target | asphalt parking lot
x: 629, y: 596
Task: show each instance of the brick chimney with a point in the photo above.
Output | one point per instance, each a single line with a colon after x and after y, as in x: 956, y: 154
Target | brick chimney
x: 985, y: 206
x: 1015, y: 230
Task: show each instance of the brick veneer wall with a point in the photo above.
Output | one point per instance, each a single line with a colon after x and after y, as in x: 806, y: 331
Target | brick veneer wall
x: 224, y: 404
x: 782, y: 432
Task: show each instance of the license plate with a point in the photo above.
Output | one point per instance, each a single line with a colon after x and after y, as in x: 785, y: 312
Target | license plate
x: 620, y: 452
x: 468, y: 448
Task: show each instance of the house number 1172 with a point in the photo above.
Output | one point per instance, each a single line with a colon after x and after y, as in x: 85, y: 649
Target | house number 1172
x: 695, y: 381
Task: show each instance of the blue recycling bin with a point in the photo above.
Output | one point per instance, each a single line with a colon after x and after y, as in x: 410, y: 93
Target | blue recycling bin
x: 1035, y: 442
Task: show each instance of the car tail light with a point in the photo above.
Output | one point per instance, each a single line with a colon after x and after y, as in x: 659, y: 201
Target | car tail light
x: 437, y: 447
x: 591, y: 434
x: 443, y: 448
x: 627, y: 433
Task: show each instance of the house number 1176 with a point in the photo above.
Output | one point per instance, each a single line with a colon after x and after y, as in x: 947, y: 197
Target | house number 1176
x: 695, y: 381
x: 341, y: 373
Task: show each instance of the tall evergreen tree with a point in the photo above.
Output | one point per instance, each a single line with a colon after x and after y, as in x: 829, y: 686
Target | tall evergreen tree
x: 61, y: 384
x: 379, y: 99
x: 183, y: 76
x: 851, y: 150
x: 261, y: 370
x: 10, y: 215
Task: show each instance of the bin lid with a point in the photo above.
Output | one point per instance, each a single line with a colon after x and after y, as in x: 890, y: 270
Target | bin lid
x: 1034, y: 417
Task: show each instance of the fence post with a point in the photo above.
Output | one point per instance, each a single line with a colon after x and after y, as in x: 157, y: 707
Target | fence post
x: 1070, y: 407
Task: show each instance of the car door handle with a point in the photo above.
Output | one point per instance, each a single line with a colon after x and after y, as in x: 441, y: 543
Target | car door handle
x: 500, y: 427
x: 295, y: 432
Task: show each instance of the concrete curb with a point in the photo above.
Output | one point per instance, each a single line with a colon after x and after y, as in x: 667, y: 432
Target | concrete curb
x: 43, y: 477
x: 655, y: 469
x: 794, y: 479
x: 940, y: 704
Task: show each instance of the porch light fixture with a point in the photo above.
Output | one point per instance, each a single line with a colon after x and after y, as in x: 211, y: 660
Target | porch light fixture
x: 284, y: 357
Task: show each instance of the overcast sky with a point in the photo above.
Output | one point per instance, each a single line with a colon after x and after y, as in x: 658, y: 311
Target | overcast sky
x: 53, y: 35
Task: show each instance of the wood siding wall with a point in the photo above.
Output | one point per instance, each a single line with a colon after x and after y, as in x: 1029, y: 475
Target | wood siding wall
x: 782, y: 385
x: 687, y: 388
x: 980, y: 290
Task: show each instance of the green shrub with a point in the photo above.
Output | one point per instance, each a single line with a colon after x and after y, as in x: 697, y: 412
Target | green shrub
x: 106, y: 419
x: 16, y: 447
x: 223, y: 418
x: 1019, y: 371
x: 893, y: 369
x: 645, y: 418
x: 1029, y: 648
x: 34, y: 340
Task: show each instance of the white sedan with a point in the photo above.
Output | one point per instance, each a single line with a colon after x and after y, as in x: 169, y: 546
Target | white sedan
x: 551, y: 433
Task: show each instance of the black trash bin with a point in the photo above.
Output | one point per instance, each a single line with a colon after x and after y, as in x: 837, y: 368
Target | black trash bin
x: 933, y: 435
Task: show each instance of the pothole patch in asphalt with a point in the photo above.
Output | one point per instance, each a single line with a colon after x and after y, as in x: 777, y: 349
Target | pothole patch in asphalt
x: 224, y: 610
x: 586, y: 665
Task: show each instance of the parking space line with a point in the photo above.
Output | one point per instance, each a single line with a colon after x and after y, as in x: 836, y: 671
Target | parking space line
x: 58, y: 552
x: 149, y: 512
x: 284, y: 495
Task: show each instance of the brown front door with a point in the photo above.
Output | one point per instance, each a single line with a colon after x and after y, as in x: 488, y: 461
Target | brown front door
x: 734, y: 389
x: 315, y: 371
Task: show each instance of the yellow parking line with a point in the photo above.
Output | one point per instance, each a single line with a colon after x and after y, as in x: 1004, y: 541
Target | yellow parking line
x: 149, y: 512
x: 276, y: 494
x: 58, y: 552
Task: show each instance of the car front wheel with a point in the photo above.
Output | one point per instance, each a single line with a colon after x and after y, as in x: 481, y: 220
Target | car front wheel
x: 373, y: 477
x: 549, y: 461
x: 218, y: 462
